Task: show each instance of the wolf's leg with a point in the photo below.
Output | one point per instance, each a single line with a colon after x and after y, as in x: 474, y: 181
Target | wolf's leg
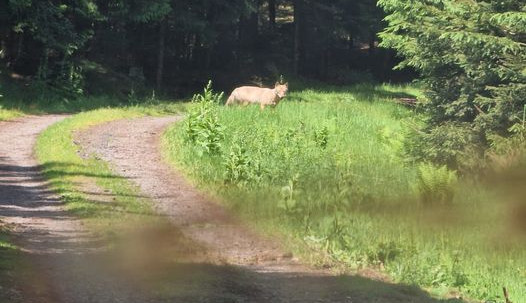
x: 262, y: 106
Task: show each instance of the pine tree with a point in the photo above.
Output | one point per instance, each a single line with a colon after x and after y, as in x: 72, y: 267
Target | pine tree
x: 472, y: 57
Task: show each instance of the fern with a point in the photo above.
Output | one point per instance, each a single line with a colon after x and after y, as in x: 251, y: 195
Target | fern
x: 436, y: 185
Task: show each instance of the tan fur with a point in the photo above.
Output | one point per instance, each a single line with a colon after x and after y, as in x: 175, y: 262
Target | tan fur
x: 246, y: 95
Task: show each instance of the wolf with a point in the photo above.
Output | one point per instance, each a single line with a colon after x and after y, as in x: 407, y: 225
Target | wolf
x: 245, y: 95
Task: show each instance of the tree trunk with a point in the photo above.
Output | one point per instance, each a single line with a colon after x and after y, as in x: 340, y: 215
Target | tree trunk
x: 272, y: 14
x: 297, y: 35
x: 160, y: 58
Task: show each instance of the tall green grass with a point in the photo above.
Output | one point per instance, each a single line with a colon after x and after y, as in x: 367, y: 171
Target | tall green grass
x: 327, y: 169
x: 8, y: 114
x: 7, y: 111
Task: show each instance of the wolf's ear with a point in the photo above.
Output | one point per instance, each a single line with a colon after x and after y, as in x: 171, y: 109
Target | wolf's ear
x: 277, y: 84
x: 286, y: 84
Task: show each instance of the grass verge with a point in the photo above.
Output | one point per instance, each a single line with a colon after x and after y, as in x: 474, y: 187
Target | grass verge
x: 327, y: 169
x: 69, y: 174
x: 8, y: 114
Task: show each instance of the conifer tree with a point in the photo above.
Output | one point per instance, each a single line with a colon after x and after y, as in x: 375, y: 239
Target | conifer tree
x: 472, y: 57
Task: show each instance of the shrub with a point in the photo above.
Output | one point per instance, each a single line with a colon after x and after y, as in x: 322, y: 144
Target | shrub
x: 202, y: 127
x: 236, y: 165
x: 208, y: 95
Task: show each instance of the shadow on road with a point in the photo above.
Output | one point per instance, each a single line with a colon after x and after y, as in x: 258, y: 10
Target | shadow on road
x: 180, y: 281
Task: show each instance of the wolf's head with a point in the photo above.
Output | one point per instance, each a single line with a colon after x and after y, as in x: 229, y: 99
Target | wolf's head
x: 281, y: 89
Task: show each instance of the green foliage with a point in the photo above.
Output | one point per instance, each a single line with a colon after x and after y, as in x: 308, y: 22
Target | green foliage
x: 472, y: 57
x: 321, y: 137
x: 175, y: 44
x: 303, y: 145
x: 142, y: 11
x: 57, y: 35
x: 56, y: 32
x: 288, y: 202
x: 208, y: 95
x: 202, y: 124
x: 509, y: 152
x: 240, y: 168
x: 236, y: 165
x: 436, y: 185
x: 37, y: 98
x: 350, y: 198
x: 6, y: 114
x: 449, y: 143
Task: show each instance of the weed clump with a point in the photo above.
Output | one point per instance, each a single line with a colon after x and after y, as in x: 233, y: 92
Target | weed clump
x: 202, y: 126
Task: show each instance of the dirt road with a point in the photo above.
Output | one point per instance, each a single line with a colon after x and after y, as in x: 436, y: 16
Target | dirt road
x: 61, y: 256
x: 69, y: 264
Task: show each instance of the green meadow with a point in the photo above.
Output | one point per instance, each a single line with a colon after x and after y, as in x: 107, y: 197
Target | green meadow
x: 327, y: 171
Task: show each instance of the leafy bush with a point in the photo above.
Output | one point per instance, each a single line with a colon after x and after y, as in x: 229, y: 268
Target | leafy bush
x: 208, y: 96
x: 242, y: 169
x: 202, y: 125
x: 237, y: 165
x: 436, y: 185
